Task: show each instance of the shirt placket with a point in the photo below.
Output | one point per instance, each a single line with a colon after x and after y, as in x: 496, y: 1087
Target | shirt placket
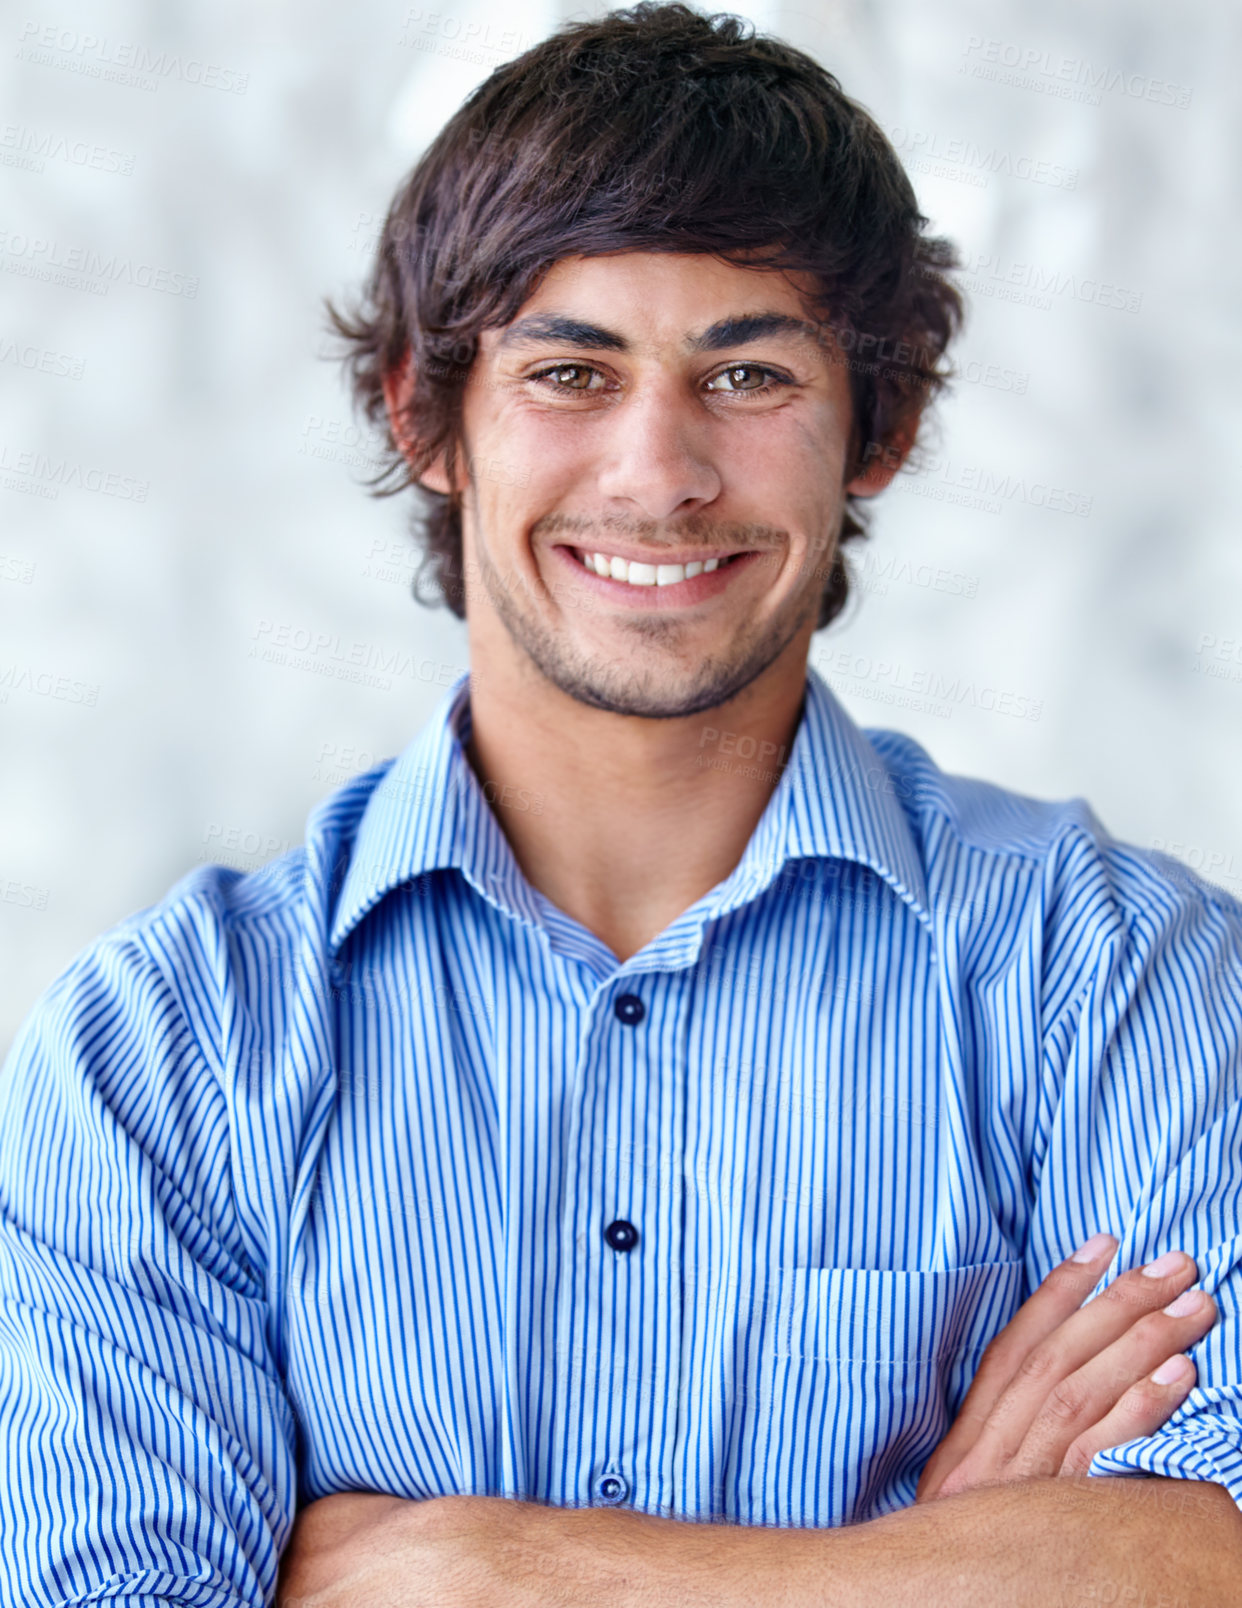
x: 619, y: 1309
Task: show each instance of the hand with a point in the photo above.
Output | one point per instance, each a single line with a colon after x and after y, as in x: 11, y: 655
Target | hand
x: 1062, y: 1381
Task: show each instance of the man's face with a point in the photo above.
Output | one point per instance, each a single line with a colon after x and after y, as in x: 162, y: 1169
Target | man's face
x: 628, y: 411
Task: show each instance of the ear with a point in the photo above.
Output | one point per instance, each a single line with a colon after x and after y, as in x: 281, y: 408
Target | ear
x: 882, y: 460
x: 397, y: 383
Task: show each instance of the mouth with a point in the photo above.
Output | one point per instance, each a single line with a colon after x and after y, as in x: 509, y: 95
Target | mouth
x: 659, y: 581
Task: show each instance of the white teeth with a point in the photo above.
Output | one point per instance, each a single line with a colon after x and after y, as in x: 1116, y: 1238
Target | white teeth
x: 636, y: 574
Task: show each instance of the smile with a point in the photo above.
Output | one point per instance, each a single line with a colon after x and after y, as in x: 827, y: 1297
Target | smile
x: 634, y: 573
x: 635, y: 583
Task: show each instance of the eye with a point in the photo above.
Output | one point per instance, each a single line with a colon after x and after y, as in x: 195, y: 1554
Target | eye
x: 558, y: 377
x: 554, y: 376
x: 736, y: 369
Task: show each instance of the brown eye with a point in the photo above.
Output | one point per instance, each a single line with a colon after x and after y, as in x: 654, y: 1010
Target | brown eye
x: 738, y: 371
x: 556, y: 376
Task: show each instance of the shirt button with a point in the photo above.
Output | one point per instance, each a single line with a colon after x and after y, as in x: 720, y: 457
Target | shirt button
x: 611, y: 1488
x: 629, y: 1009
x: 622, y: 1236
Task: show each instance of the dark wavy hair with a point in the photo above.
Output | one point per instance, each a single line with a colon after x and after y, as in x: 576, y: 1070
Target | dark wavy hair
x: 654, y: 128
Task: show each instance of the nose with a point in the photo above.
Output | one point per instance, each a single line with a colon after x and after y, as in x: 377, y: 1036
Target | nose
x: 657, y: 453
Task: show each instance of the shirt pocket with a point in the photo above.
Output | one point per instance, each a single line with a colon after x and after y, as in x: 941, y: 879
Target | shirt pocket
x: 863, y: 1372
x: 897, y: 1318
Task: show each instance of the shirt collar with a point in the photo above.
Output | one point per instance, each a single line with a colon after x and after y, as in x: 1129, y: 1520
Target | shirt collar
x: 836, y: 799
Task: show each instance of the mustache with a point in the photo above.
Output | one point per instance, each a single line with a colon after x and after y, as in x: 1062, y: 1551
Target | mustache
x: 710, y: 534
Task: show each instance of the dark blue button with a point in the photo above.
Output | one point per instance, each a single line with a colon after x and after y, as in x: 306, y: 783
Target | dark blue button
x: 622, y: 1236
x: 630, y: 1009
x: 611, y: 1488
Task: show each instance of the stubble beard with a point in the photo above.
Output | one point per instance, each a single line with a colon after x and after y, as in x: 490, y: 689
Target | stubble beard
x: 660, y: 690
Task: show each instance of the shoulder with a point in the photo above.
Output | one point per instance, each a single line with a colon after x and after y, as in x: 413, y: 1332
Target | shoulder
x: 220, y: 938
x: 1074, y: 870
x: 974, y: 813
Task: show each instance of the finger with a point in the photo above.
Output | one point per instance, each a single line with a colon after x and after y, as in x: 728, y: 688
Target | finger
x: 1060, y: 1294
x: 1144, y: 1409
x: 1083, y: 1335
x: 991, y: 1438
x: 1093, y: 1392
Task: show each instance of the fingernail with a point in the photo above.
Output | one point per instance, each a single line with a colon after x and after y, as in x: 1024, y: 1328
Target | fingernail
x: 1168, y: 1373
x: 1094, y: 1247
x: 1187, y: 1302
x: 1164, y: 1265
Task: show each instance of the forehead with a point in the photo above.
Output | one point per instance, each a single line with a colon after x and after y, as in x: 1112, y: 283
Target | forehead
x: 627, y: 300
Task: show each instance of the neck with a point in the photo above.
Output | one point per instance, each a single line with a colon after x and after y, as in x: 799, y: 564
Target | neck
x: 621, y: 821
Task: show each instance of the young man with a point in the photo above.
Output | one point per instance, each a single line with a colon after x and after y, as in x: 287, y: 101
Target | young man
x: 650, y: 1099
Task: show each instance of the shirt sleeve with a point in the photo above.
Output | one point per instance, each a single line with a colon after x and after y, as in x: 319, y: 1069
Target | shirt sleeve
x: 146, y: 1441
x: 1148, y: 1143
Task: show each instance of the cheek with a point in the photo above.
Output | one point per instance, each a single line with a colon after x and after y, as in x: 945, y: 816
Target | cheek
x: 802, y: 455
x: 823, y: 444
x: 795, y: 484
x: 530, y: 460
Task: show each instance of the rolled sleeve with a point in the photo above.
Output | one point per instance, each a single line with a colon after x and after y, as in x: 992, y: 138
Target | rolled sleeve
x: 1202, y: 1438
x: 1148, y: 1140
x: 146, y: 1440
x: 1198, y: 1451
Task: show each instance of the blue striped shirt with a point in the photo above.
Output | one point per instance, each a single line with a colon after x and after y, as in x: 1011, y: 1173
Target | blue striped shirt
x: 373, y: 1170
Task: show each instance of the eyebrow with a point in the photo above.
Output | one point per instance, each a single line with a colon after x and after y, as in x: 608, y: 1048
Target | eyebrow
x: 560, y: 328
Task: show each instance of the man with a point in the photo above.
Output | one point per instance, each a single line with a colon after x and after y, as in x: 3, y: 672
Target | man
x: 656, y: 1142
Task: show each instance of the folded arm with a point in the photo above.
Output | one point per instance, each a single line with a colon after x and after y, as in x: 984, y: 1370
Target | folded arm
x: 146, y: 1439
x: 1048, y: 1543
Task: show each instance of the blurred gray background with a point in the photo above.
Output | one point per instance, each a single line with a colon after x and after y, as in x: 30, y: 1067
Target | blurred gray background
x: 1055, y: 603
